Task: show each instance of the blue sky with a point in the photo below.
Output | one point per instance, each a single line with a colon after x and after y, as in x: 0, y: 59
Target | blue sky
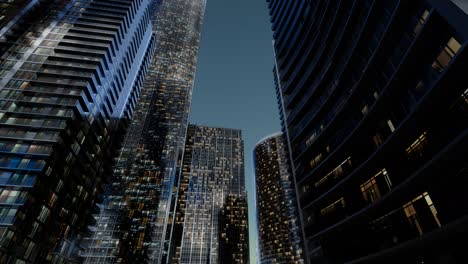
x: 234, y: 83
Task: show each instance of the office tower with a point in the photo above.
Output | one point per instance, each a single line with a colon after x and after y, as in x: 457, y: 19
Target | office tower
x: 137, y: 216
x: 211, y: 215
x: 69, y: 85
x: 375, y: 110
x: 278, y: 224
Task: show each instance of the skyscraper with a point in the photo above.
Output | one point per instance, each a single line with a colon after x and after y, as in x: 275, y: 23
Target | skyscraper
x: 278, y: 223
x: 211, y: 215
x: 16, y: 16
x: 139, y: 211
x: 375, y: 108
x: 70, y: 77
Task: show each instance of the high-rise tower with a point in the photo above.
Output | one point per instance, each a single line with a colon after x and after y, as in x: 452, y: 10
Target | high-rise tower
x: 374, y: 99
x: 70, y: 76
x: 211, y: 216
x: 139, y: 211
x: 278, y: 222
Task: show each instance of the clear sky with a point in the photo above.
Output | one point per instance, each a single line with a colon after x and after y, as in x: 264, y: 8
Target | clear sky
x: 234, y: 83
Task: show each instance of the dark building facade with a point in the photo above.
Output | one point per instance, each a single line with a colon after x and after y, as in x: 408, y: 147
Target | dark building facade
x: 70, y: 76
x: 374, y: 105
x: 136, y: 223
x: 278, y: 224
x: 211, y: 216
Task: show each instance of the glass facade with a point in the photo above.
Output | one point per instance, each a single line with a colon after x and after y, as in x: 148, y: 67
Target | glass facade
x: 278, y: 223
x: 16, y: 16
x: 69, y: 81
x: 136, y: 222
x: 373, y: 104
x: 211, y: 215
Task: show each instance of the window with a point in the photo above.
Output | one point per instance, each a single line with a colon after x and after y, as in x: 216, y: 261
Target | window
x: 390, y: 125
x: 311, y: 139
x: 12, y: 197
x: 334, y: 207
x: 34, y: 229
x: 22, y: 179
x: 416, y: 149
x: 365, y: 110
x: 373, y: 189
x: 417, y: 204
x: 4, y: 177
x: 44, y: 214
x: 314, y: 162
x: 446, y: 55
x: 377, y: 139
x: 20, y: 148
x: 410, y: 213
x: 421, y: 21
x: 335, y: 173
x: 7, y: 215
x: 29, y: 250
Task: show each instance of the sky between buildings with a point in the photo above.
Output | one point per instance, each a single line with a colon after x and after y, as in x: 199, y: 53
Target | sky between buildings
x: 234, y: 83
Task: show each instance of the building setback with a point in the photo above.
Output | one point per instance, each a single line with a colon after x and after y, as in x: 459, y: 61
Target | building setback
x: 136, y: 223
x: 375, y: 102
x: 211, y: 215
x: 70, y: 76
x: 278, y: 223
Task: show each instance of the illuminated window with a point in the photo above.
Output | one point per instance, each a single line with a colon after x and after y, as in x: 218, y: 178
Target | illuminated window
x: 416, y: 149
x: 7, y: 215
x: 335, y: 173
x: 12, y: 197
x: 412, y: 214
x: 370, y: 189
x: 365, y: 110
x: 390, y: 125
x: 43, y: 214
x: 446, y: 55
x: 332, y: 208
x: 377, y: 139
x: 421, y: 21
x: 314, y: 162
x: 311, y: 139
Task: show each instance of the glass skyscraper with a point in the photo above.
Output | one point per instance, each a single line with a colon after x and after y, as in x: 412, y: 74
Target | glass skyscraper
x: 136, y: 222
x: 374, y: 100
x: 278, y: 223
x: 211, y: 215
x: 70, y: 75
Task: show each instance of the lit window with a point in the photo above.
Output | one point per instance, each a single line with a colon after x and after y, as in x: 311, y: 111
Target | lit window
x: 446, y: 55
x: 43, y: 214
x: 370, y: 189
x: 390, y: 125
x: 332, y: 208
x: 412, y: 214
x: 7, y: 215
x: 335, y: 173
x: 416, y: 149
x: 11, y: 196
x: 365, y: 110
x: 314, y: 162
x: 421, y: 21
x: 311, y: 139
x: 377, y: 139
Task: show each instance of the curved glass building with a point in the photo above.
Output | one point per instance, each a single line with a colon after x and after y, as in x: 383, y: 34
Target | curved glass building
x: 278, y: 224
x: 374, y: 103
